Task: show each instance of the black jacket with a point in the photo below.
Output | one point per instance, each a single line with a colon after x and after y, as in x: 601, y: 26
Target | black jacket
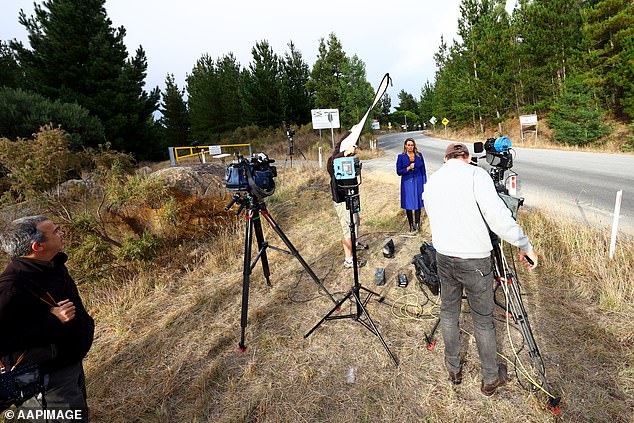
x: 26, y: 323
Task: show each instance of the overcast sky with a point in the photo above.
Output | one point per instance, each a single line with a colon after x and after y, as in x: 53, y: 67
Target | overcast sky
x: 398, y: 36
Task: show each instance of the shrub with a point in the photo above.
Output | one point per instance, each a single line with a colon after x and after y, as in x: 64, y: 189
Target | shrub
x: 575, y: 118
x: 39, y: 164
x: 22, y: 113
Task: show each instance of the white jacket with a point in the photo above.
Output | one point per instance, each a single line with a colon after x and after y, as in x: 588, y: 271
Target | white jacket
x: 452, y: 196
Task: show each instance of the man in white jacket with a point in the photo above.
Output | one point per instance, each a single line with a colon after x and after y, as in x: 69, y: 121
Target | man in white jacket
x: 459, y: 198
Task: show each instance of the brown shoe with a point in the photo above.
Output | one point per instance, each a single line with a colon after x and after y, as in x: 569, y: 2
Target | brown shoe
x: 456, y: 378
x: 490, y: 389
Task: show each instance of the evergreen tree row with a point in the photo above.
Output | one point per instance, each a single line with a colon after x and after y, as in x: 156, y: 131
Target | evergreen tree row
x: 570, y: 60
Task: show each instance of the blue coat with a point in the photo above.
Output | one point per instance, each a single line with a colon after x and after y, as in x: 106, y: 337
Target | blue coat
x: 412, y: 181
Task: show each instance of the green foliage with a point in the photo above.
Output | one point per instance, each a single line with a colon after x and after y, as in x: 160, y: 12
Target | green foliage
x: 22, y: 113
x: 77, y: 57
x: 140, y: 250
x: 609, y: 30
x: 175, y: 117
x: 39, y: 164
x: 123, y: 190
x: 215, y: 99
x: 91, y: 257
x: 10, y: 72
x: 294, y: 96
x: 407, y: 102
x: 262, y: 87
x: 402, y: 116
x: 575, y: 118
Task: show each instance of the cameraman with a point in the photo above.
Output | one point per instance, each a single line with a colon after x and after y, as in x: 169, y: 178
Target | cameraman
x: 42, y: 317
x: 339, y: 202
x: 462, y: 204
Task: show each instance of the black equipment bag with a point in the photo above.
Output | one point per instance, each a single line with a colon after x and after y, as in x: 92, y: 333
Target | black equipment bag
x: 426, y: 270
x: 18, y: 385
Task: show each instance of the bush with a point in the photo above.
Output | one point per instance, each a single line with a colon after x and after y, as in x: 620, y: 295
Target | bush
x: 39, y: 164
x: 22, y: 113
x: 575, y: 118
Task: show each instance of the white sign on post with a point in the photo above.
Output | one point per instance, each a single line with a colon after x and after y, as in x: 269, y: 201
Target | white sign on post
x: 214, y: 150
x: 325, y: 118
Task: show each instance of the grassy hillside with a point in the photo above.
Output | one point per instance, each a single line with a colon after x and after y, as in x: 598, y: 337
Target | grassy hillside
x: 167, y: 337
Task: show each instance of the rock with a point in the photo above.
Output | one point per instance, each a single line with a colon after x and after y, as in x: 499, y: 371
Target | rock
x: 198, y: 181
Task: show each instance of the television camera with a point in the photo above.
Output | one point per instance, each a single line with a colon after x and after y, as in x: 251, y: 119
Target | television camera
x: 254, y: 175
x: 348, y: 178
x: 499, y: 155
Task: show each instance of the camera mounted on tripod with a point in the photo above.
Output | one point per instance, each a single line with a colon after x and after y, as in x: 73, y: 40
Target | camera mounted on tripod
x: 348, y: 178
x: 498, y: 152
x: 254, y: 175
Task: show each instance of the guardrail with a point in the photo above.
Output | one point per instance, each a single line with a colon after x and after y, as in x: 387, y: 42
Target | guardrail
x: 214, y: 152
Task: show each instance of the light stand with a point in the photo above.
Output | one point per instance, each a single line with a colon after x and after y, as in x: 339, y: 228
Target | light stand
x: 254, y: 209
x: 352, y: 204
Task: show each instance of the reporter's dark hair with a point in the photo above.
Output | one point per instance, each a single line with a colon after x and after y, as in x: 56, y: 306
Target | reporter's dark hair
x: 17, y: 238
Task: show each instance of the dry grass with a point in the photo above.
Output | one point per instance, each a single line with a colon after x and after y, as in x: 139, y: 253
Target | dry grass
x: 166, y: 344
x: 613, y: 143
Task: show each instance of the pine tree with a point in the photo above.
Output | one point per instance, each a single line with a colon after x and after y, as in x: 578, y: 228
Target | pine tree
x: 609, y: 27
x: 175, y: 117
x: 295, y: 98
x: 76, y: 56
x: 356, y: 92
x: 262, y: 89
x: 386, y: 108
x: 326, y: 77
x: 205, y: 110
x: 10, y: 73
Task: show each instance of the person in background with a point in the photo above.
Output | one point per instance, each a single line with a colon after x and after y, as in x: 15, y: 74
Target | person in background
x: 42, y: 317
x: 462, y: 204
x: 339, y: 202
x: 410, y: 166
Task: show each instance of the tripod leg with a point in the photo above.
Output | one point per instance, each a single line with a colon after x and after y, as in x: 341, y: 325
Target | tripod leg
x: 372, y: 327
x: 295, y: 253
x: 323, y: 319
x: 257, y: 225
x: 246, y: 272
x: 429, y: 339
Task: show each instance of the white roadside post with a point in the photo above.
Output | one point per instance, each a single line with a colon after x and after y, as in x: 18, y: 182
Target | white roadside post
x: 615, y: 222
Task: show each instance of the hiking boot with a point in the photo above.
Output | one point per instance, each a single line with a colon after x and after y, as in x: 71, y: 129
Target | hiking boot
x: 361, y: 246
x: 349, y: 264
x: 489, y: 389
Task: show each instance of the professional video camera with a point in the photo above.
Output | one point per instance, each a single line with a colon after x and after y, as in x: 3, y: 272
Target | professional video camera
x: 253, y: 175
x: 348, y: 178
x: 290, y: 132
x: 499, y: 155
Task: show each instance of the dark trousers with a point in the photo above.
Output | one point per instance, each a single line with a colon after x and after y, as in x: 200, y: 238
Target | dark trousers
x: 473, y: 276
x: 65, y: 389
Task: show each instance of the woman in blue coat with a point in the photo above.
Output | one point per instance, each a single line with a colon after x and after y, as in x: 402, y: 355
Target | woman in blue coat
x: 410, y: 166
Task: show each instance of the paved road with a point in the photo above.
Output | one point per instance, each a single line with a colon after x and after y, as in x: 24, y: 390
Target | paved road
x: 581, y: 185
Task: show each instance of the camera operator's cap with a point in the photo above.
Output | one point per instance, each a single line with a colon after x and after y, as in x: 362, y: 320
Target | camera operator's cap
x: 456, y: 148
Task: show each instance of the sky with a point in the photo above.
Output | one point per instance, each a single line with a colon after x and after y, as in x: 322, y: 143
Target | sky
x: 398, y: 36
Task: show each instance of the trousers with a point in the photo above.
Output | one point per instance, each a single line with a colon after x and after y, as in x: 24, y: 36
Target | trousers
x: 474, y: 278
x: 65, y: 389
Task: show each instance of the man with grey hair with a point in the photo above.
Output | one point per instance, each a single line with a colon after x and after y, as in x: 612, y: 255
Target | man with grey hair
x: 42, y: 318
x: 462, y: 204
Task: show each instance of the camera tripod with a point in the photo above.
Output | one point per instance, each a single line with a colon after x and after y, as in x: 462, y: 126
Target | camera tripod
x: 506, y: 279
x: 291, y: 149
x: 354, y: 293
x: 254, y: 209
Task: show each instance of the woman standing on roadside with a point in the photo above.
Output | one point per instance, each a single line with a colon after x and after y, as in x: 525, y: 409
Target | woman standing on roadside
x: 410, y: 166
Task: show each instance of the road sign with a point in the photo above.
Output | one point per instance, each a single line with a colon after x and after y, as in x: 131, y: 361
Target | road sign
x: 376, y: 124
x: 445, y: 121
x: 433, y: 120
x: 325, y: 118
